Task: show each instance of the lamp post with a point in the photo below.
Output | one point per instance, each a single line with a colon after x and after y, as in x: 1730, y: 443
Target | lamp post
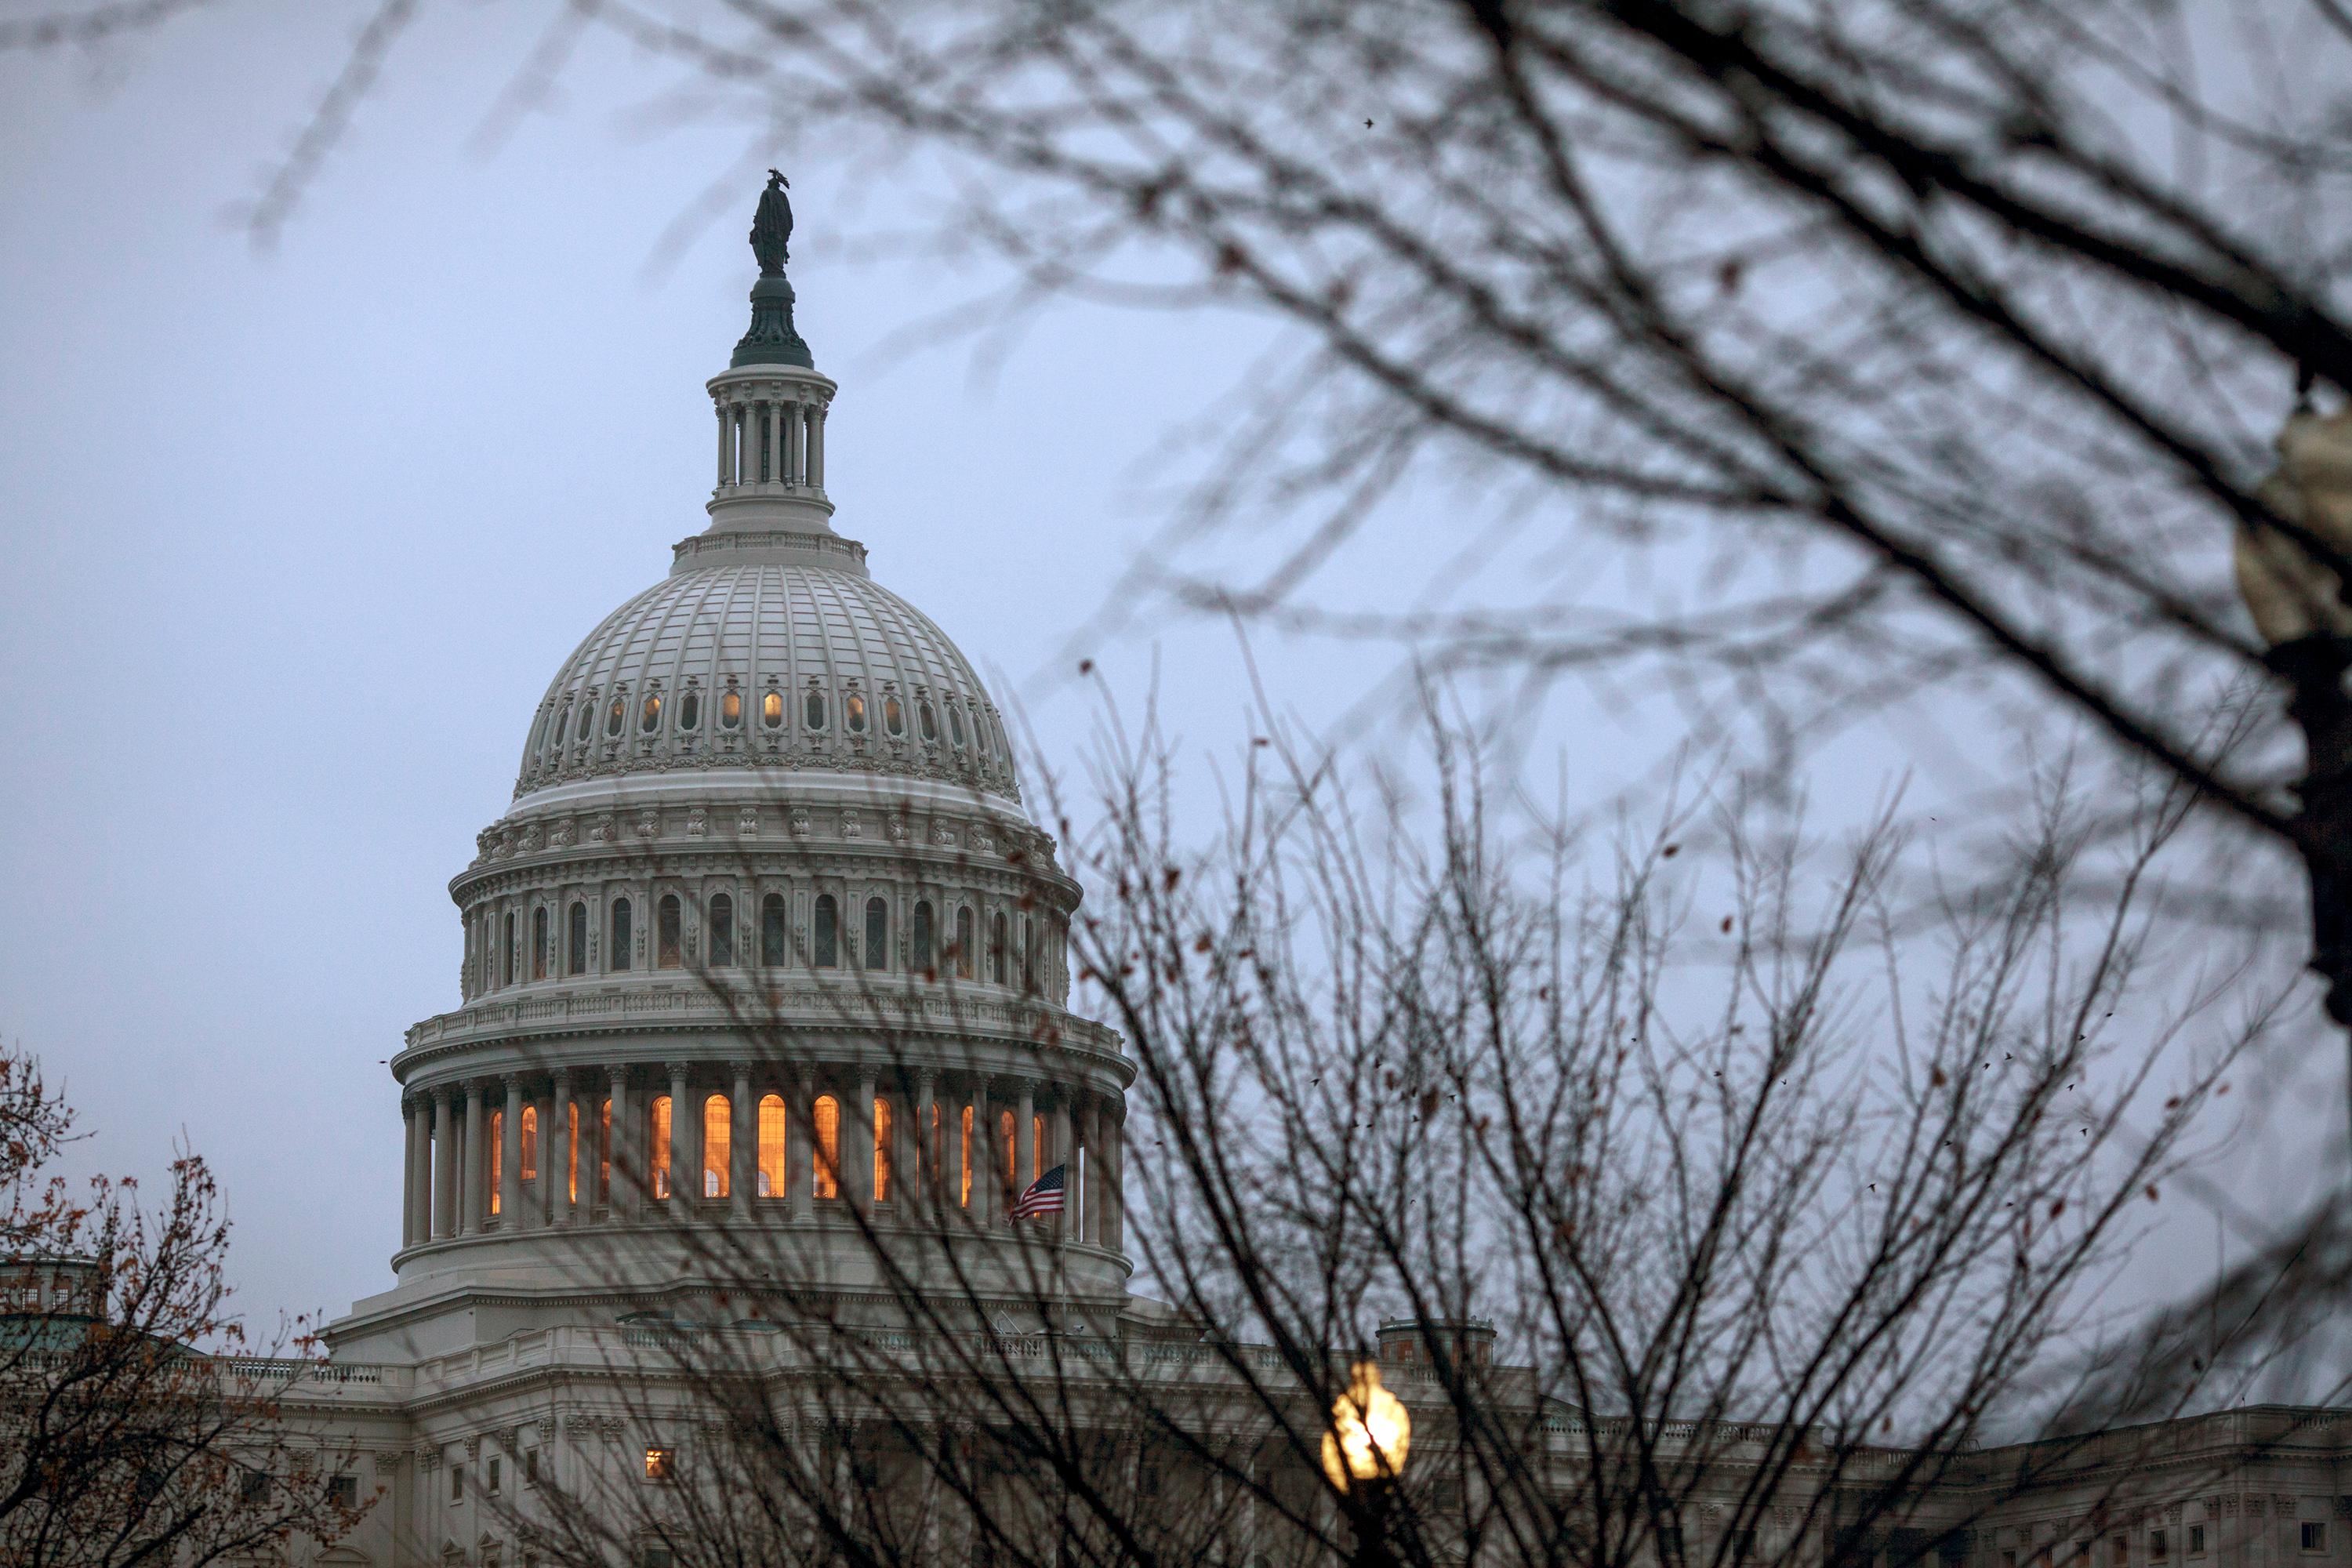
x: 2299, y: 611
x: 1363, y: 1455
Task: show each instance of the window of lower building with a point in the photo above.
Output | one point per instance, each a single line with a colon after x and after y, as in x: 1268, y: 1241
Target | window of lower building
x: 2315, y: 1535
x: 881, y: 1150
x: 771, y: 929
x: 661, y: 1464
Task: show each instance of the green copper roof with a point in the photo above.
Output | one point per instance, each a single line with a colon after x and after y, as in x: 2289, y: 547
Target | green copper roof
x: 771, y: 339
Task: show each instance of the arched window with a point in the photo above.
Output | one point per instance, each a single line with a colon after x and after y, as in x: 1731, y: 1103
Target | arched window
x: 555, y: 735
x: 615, y: 715
x: 668, y: 935
x: 771, y: 710
x: 1028, y: 952
x: 508, y: 946
x: 825, y: 1165
x: 827, y: 943
x: 530, y: 1144
x: 658, y: 1155
x: 649, y: 716
x: 718, y: 1140
x: 771, y: 929
x: 813, y: 711
x: 877, y: 935
x: 498, y: 1160
x: 587, y: 720
x: 690, y: 709
x: 730, y: 709
x: 722, y: 928
x: 996, y: 948
x: 604, y: 1149
x: 576, y: 941
x: 964, y: 954
x: 964, y: 1197
x: 926, y: 723
x: 618, y: 958
x: 539, y: 942
x: 772, y: 1146
x: 853, y: 713
x: 955, y: 724
x: 894, y: 717
x: 922, y: 959
x: 980, y: 728
x: 881, y: 1150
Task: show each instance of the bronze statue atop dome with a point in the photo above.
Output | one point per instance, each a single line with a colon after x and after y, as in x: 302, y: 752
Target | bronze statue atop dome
x: 771, y: 225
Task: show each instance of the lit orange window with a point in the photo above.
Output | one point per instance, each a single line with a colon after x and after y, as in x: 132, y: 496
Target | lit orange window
x: 771, y: 710
x: 658, y: 1159
x: 661, y: 1464
x: 497, y: 1156
x: 530, y: 1142
x: 964, y: 1196
x: 826, y: 1114
x: 1009, y: 1149
x: 718, y: 1139
x: 881, y: 1150
x: 1037, y: 1144
x: 571, y: 1153
x: 605, y: 1150
x: 731, y: 708
x: 772, y: 1147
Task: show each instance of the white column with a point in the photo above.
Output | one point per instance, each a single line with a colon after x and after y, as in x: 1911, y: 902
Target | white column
x: 816, y: 447
x: 472, y: 1208
x: 408, y: 1173
x: 555, y: 1154
x: 984, y: 1201
x: 628, y: 1154
x: 510, y: 1199
x: 925, y: 1192
x: 444, y: 1220
x: 723, y: 444
x: 743, y: 1144
x: 1024, y: 1144
x: 857, y: 1131
x: 800, y: 1147
x: 774, y: 421
x: 685, y: 1146
x: 1058, y: 1130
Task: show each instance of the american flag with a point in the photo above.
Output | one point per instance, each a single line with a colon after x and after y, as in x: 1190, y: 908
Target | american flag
x: 1043, y: 1195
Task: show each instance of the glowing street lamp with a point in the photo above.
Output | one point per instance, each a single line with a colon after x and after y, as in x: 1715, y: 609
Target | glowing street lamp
x: 1363, y: 1455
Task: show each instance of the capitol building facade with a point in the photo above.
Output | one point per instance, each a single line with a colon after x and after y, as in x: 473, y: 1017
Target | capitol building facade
x: 762, y: 1022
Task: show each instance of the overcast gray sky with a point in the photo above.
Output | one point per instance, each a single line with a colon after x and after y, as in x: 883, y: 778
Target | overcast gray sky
x: 294, y: 542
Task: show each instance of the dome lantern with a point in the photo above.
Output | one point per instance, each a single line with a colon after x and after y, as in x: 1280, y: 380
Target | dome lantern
x: 772, y: 403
